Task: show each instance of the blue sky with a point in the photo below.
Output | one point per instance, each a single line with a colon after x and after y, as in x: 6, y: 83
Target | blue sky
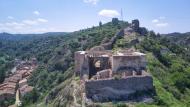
x: 37, y: 16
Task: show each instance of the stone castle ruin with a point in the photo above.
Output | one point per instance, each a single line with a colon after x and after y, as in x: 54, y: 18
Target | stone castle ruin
x: 113, y: 76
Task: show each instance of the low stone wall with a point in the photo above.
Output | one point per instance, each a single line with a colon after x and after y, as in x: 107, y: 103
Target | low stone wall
x: 117, y: 89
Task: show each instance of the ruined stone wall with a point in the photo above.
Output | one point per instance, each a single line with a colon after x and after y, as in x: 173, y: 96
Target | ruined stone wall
x: 104, y: 63
x: 109, y: 45
x: 104, y: 74
x: 79, y: 59
x: 117, y: 90
x: 81, y: 64
x: 126, y: 62
x: 84, y: 71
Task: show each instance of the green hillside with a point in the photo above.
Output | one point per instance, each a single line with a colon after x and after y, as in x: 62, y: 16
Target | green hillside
x: 168, y: 63
x: 54, y: 80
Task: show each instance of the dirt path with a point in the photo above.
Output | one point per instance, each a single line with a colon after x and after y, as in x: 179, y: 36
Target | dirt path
x: 75, y: 86
x: 18, y: 102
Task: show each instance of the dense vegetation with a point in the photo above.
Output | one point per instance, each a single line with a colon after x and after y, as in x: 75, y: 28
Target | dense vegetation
x: 5, y: 65
x: 168, y: 61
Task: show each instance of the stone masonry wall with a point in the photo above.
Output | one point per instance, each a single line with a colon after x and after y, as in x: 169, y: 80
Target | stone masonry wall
x: 79, y: 60
x: 136, y: 62
x: 114, y: 90
x: 81, y: 64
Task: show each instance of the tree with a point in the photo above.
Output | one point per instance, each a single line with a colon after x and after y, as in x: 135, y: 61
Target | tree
x: 35, y: 95
x: 2, y: 75
x: 100, y: 24
x: 30, y: 98
x: 115, y: 21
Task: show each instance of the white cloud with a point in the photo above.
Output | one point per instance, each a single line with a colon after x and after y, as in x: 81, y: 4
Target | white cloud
x: 42, y: 20
x: 161, y: 18
x: 30, y: 22
x: 109, y: 13
x: 35, y: 22
x: 25, y: 26
x: 14, y: 25
x: 94, y: 2
x: 155, y: 21
x: 162, y: 24
x: 36, y: 12
x: 10, y: 17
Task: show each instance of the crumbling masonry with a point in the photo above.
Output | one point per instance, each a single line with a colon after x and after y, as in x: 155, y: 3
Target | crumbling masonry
x: 112, y: 76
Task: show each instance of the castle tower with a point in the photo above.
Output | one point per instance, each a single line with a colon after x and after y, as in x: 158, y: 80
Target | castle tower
x: 135, y: 25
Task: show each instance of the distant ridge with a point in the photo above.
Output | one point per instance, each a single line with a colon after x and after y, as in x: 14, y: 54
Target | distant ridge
x: 16, y: 37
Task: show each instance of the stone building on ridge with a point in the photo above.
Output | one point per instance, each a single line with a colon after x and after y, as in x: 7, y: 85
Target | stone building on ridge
x: 114, y: 76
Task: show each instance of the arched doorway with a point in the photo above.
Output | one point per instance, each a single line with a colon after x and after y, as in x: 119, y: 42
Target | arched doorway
x: 97, y: 64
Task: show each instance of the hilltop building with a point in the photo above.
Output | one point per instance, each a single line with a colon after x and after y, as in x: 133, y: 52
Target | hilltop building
x: 113, y: 76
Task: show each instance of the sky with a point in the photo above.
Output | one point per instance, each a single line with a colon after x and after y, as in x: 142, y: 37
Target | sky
x: 39, y: 16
